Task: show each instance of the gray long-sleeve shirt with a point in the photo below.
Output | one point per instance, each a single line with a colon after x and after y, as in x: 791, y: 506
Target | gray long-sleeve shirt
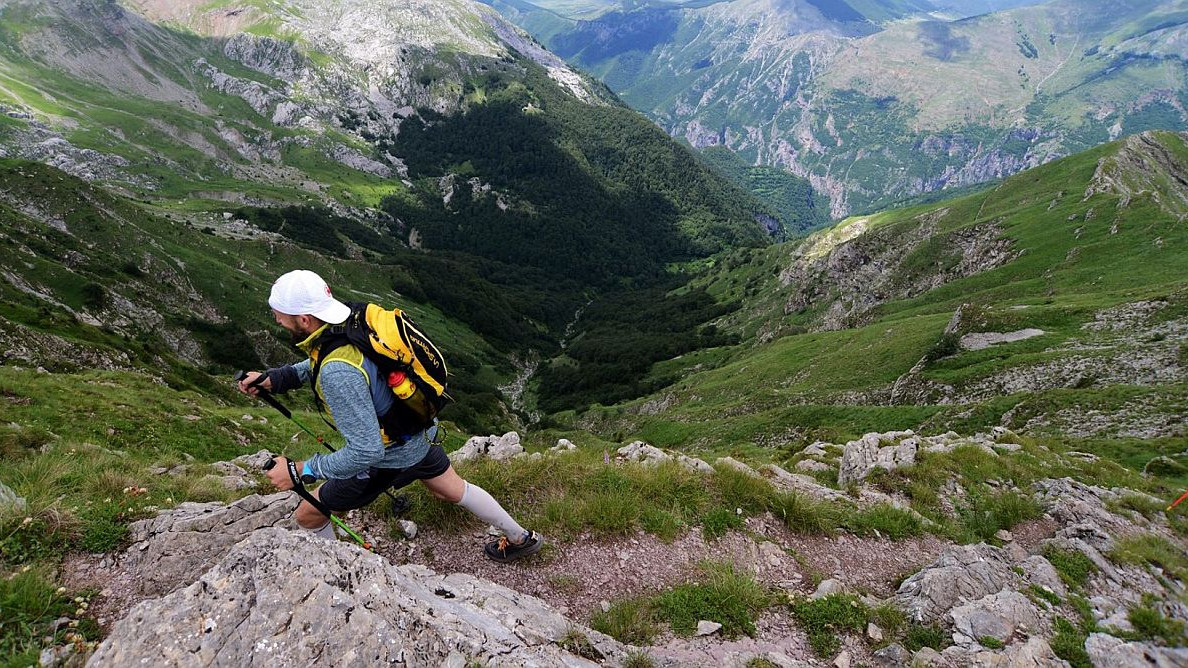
x: 355, y: 406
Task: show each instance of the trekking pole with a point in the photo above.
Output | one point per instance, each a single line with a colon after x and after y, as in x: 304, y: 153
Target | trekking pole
x: 321, y: 508
x: 399, y: 503
x: 1177, y: 502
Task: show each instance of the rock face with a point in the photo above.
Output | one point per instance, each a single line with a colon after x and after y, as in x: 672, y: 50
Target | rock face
x: 288, y: 598
x: 961, y: 573
x: 175, y: 546
x: 493, y: 447
x: 996, y: 616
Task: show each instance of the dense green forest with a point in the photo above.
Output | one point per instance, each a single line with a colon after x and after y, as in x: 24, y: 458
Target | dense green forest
x: 800, y: 208
x: 621, y: 335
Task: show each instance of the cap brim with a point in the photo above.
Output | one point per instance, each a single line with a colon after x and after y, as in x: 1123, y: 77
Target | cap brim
x: 334, y: 314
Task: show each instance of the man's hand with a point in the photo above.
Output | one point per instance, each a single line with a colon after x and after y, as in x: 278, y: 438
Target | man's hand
x: 246, y: 386
x: 279, y: 475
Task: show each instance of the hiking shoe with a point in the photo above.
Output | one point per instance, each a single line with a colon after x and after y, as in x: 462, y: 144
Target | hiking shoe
x: 503, y: 550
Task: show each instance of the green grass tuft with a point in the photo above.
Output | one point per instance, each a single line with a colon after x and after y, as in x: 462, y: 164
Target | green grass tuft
x: 990, y: 642
x: 1151, y: 624
x: 631, y: 621
x: 716, y: 522
x: 894, y: 523
x: 1072, y: 566
x: 825, y: 617
x: 723, y: 595
x: 1069, y: 643
x: 919, y: 636
x: 1154, y: 550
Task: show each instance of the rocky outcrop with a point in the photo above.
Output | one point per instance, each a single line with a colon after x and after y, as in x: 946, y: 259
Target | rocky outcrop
x: 962, y: 573
x: 997, y: 616
x: 853, y: 270
x: 1106, y: 650
x: 638, y: 451
x: 174, y: 547
x: 886, y: 451
x: 289, y: 598
x: 491, y: 447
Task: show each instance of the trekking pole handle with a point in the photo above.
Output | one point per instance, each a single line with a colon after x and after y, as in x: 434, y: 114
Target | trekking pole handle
x: 263, y: 394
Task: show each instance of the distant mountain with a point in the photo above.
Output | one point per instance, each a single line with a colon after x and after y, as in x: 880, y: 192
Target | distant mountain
x: 425, y: 153
x: 877, y: 101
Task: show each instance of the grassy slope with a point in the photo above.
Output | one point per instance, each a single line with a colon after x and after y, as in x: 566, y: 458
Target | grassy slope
x: 804, y: 385
x: 115, y: 234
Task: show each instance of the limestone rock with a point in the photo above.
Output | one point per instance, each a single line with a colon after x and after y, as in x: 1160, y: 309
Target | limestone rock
x: 288, y: 598
x: 1040, y: 572
x: 827, y: 588
x: 961, y: 573
x: 926, y: 656
x: 1106, y: 650
x: 800, y: 484
x: 706, y: 627
x: 10, y: 502
x: 843, y: 660
x: 731, y: 462
x: 253, y: 462
x: 694, y: 464
x: 812, y: 465
x: 1035, y: 653
x: 408, y: 528
x: 638, y: 451
x: 563, y: 445
x: 816, y: 450
x: 892, y: 656
x: 179, y: 544
x: 874, y: 632
x: 997, y: 616
x: 862, y: 456
x: 494, y: 447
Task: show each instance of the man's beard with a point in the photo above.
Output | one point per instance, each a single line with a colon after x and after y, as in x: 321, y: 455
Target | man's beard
x: 297, y: 336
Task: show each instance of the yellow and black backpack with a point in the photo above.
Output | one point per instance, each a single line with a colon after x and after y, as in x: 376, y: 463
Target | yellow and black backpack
x: 409, y: 362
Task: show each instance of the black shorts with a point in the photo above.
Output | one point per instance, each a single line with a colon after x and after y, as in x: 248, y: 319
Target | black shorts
x: 359, y: 491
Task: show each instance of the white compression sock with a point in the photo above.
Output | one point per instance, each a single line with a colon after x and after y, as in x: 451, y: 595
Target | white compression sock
x: 326, y: 531
x: 486, y: 508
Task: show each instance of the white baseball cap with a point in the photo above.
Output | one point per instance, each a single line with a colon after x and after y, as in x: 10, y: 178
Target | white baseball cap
x: 302, y: 292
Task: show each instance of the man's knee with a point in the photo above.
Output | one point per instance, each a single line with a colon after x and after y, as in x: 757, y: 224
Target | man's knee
x: 309, y: 517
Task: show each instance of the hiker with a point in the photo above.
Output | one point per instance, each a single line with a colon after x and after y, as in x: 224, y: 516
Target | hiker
x: 358, y: 400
